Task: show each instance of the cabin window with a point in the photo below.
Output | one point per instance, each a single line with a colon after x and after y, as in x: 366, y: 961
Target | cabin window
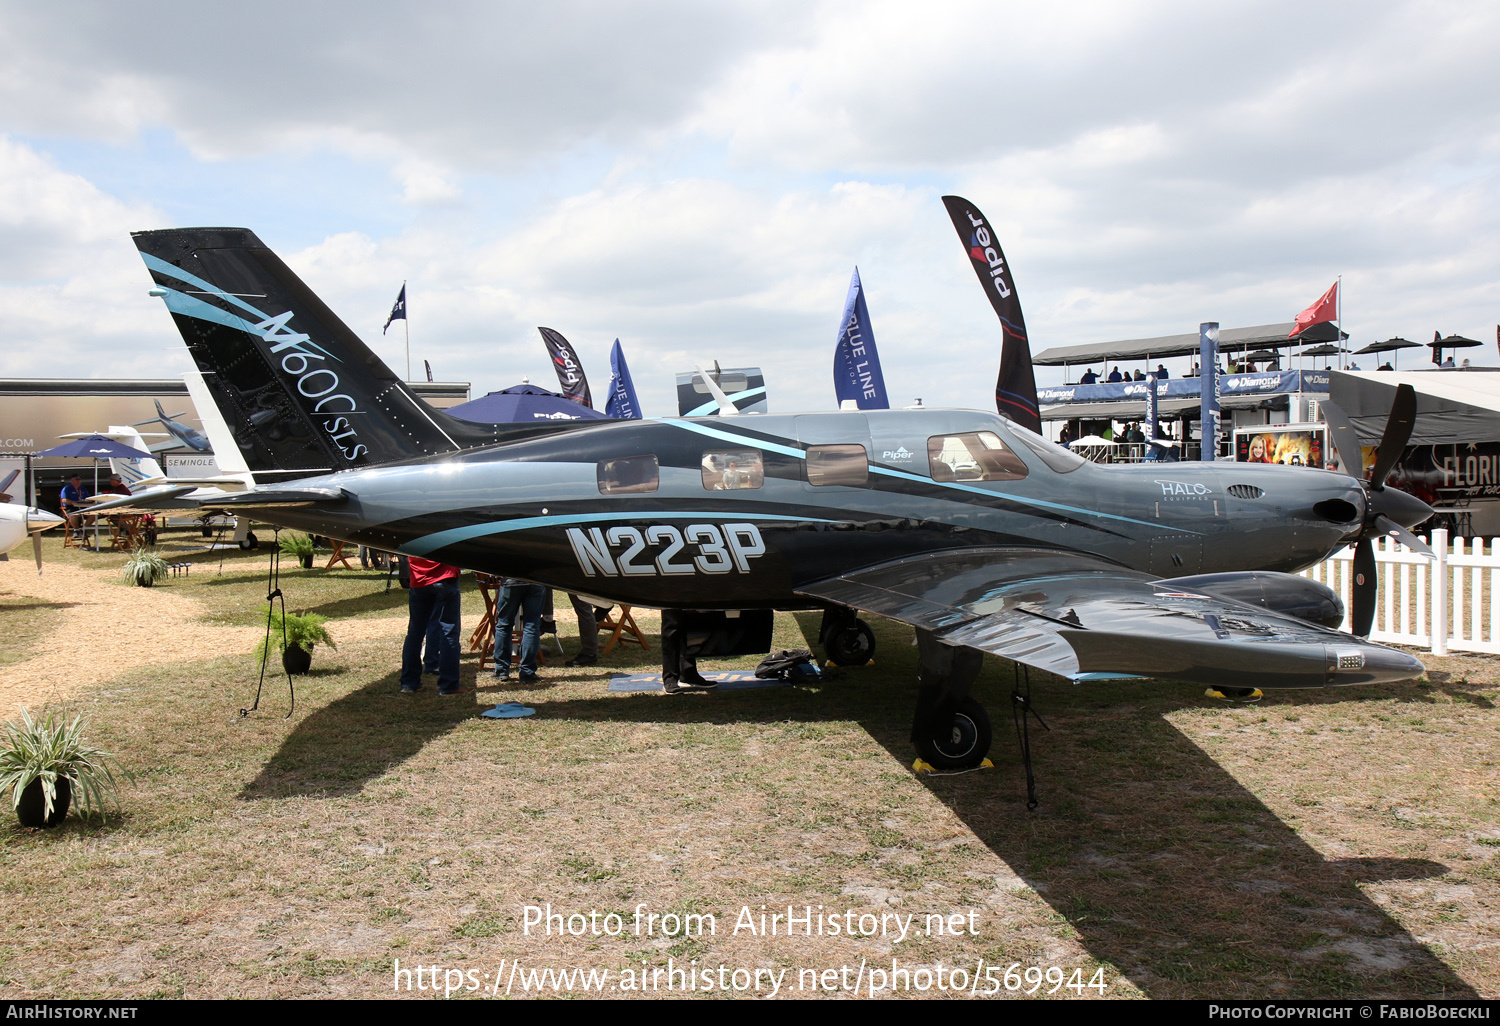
x: 846, y: 465
x: 729, y: 471
x: 974, y: 456
x: 628, y: 475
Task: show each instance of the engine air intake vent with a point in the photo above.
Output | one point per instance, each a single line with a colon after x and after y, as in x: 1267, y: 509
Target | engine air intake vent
x: 1244, y: 491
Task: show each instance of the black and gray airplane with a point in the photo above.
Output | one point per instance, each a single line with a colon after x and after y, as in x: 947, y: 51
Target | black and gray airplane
x: 982, y: 535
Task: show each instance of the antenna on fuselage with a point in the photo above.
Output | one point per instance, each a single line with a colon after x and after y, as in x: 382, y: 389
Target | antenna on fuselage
x: 726, y: 408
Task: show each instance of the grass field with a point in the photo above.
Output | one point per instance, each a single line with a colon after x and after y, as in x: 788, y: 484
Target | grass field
x: 1340, y: 843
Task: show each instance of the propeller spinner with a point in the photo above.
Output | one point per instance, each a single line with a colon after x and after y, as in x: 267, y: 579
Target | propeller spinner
x: 1388, y: 511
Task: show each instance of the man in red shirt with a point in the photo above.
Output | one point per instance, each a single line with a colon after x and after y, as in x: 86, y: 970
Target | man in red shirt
x: 434, y: 594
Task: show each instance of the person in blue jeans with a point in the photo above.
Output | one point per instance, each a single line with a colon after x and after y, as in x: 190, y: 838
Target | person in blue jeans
x: 527, y: 600
x: 434, y: 598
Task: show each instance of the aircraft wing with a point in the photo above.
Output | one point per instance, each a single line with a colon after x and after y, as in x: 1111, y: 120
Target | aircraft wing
x: 1085, y: 618
x: 176, y: 497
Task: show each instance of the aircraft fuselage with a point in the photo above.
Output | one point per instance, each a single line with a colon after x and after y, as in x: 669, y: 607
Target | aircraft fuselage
x: 738, y: 512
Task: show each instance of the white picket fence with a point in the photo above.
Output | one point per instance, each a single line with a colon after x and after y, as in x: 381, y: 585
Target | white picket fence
x: 1448, y: 604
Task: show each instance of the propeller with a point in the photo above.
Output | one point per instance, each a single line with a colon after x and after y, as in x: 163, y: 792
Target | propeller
x: 1388, y: 511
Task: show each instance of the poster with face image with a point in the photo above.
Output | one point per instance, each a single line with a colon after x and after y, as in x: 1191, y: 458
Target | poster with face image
x: 1297, y: 447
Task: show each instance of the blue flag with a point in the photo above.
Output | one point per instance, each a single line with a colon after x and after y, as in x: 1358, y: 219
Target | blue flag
x: 622, y: 402
x: 856, y: 366
x: 398, y: 312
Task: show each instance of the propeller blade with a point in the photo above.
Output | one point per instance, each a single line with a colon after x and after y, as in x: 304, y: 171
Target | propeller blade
x: 1363, y: 604
x: 1385, y: 525
x: 1345, y: 439
x: 1398, y: 429
x: 36, y: 547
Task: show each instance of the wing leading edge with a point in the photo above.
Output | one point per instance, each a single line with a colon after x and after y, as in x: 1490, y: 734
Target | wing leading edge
x: 1083, y: 618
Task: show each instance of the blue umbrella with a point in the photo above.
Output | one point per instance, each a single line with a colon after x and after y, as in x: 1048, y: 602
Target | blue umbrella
x: 522, y: 404
x: 95, y: 447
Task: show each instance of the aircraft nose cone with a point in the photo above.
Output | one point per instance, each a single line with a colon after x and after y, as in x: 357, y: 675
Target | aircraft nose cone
x: 1406, y: 510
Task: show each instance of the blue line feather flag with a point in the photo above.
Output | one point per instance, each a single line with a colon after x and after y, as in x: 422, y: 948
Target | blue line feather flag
x: 856, y: 365
x: 622, y: 402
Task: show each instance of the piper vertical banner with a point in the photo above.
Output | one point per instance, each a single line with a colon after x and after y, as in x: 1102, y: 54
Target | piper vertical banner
x: 1208, y: 369
x: 621, y: 402
x: 856, y: 365
x: 569, y: 369
x: 1015, y: 387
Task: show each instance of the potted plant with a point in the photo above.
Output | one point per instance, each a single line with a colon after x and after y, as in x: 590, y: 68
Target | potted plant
x: 145, y: 567
x: 45, y: 764
x: 299, y: 547
x: 302, y: 632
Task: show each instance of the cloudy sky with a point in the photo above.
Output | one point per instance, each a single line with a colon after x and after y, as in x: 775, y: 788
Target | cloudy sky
x: 699, y: 179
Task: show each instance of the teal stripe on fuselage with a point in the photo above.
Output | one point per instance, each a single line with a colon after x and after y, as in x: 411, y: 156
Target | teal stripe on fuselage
x: 452, y: 536
x: 1006, y: 496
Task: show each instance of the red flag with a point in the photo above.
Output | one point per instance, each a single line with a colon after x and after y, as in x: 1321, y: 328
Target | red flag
x: 1325, y: 309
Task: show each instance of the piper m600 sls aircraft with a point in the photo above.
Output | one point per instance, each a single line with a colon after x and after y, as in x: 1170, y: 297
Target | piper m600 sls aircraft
x: 980, y: 534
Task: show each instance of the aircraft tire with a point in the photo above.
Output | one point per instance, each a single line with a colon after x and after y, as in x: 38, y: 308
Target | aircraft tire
x: 851, y: 645
x: 964, y: 745
x: 250, y: 542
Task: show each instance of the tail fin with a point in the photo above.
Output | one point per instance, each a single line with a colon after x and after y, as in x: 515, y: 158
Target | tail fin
x: 300, y: 392
x: 133, y: 472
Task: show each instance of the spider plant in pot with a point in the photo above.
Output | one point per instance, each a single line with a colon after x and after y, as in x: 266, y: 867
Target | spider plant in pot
x: 302, y: 632
x: 45, y: 765
x: 145, y: 567
x: 299, y: 547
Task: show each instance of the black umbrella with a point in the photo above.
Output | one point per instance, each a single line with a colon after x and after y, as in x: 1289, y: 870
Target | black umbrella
x: 1454, y: 342
x: 1388, y: 345
x: 1259, y: 355
x: 1327, y: 349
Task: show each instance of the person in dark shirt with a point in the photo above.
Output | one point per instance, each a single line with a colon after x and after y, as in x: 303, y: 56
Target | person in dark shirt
x: 1139, y: 375
x: 1089, y: 377
x: 1115, y: 375
x: 1161, y: 372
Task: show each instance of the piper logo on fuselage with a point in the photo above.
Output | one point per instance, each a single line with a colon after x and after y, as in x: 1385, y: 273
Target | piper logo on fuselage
x: 1184, y: 488
x: 696, y: 548
x: 901, y: 453
x: 297, y: 351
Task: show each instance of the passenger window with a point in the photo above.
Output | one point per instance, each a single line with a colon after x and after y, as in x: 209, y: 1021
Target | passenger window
x: 731, y: 471
x: 974, y: 456
x: 628, y: 474
x: 838, y: 465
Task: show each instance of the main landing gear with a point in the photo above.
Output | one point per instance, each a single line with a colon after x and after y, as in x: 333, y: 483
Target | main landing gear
x: 950, y: 729
x: 846, y: 639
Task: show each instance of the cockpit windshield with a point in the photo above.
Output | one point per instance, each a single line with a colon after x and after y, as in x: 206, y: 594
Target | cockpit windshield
x: 1061, y: 460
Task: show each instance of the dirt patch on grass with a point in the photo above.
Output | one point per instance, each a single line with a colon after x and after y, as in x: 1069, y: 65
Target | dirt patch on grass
x: 96, y: 629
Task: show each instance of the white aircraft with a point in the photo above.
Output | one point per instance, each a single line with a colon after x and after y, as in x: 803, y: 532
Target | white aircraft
x: 142, y: 474
x: 19, y: 522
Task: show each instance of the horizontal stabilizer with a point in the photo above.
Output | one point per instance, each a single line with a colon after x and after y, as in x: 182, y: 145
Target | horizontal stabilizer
x: 150, y: 501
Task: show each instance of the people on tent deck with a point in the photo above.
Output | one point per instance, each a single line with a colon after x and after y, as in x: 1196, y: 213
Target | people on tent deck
x: 1386, y: 366
x: 1139, y: 375
x: 1161, y: 372
x: 1089, y: 377
x: 1115, y: 374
